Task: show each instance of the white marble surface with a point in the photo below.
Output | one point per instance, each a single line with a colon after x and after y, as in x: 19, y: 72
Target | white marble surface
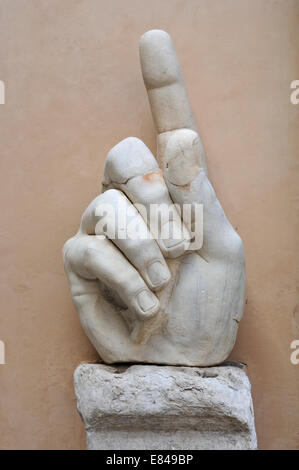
x: 155, y: 300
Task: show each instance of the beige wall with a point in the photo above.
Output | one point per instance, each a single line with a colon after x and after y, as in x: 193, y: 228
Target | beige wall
x: 73, y: 90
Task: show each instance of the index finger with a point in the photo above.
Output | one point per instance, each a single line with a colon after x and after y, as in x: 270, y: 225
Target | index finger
x: 164, y: 82
x: 163, y: 79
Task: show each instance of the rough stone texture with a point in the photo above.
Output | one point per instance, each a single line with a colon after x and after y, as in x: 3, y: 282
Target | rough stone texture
x: 165, y: 407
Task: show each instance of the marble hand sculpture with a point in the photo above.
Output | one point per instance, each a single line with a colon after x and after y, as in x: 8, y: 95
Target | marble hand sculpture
x: 153, y: 300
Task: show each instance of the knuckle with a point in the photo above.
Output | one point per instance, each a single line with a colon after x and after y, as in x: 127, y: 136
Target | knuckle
x: 66, y: 249
x: 236, y: 244
x: 238, y: 240
x: 138, y: 155
x: 88, y: 257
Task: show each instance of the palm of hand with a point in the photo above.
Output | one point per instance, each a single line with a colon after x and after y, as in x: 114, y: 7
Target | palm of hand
x: 131, y: 307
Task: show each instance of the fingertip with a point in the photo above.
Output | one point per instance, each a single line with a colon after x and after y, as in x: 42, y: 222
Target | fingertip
x: 154, y: 35
x: 159, y: 63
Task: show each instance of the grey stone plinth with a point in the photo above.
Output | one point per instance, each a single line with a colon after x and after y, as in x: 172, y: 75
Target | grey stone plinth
x: 165, y: 407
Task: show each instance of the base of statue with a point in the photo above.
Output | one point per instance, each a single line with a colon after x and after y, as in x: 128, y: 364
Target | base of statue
x: 165, y: 407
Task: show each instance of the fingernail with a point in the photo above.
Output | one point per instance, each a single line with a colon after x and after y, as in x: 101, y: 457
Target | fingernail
x: 158, y: 273
x: 174, y: 237
x: 148, y: 303
x: 171, y: 242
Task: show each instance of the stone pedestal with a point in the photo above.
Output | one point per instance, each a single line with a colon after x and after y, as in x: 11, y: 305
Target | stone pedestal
x: 165, y: 407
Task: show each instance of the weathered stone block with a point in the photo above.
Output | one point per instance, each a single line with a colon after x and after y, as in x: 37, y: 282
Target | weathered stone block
x: 165, y: 407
